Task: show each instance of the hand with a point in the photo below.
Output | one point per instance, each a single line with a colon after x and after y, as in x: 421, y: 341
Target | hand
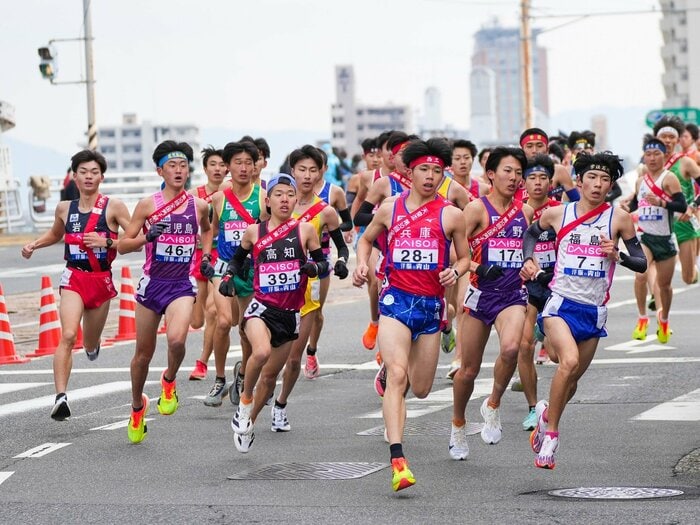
x: 448, y: 277
x: 206, y: 269
x: 28, y: 250
x: 155, y: 231
x: 490, y: 273
x: 529, y: 270
x: 226, y: 288
x: 359, y: 276
x: 309, y: 268
x: 340, y: 269
x: 94, y: 240
x: 609, y: 248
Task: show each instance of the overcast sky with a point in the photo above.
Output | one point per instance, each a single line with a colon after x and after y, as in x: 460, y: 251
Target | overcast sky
x: 269, y: 64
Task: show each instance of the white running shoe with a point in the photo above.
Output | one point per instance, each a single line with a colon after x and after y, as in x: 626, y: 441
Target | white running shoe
x: 459, y: 449
x: 454, y: 366
x: 243, y: 442
x: 241, y: 423
x: 545, y: 458
x: 491, y: 432
x: 280, y: 422
x: 537, y: 435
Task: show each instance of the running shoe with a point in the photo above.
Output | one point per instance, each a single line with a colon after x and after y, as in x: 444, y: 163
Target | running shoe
x: 137, y: 429
x: 270, y: 399
x: 369, y: 338
x: 491, y: 431
x: 94, y: 354
x: 454, y: 366
x: 60, y: 410
x: 537, y: 435
x: 652, y: 304
x: 402, y: 476
x: 167, y: 402
x: 241, y: 423
x: 199, y: 372
x: 516, y: 385
x: 280, y: 422
x: 216, y: 395
x: 640, y: 331
x: 459, y: 449
x: 380, y: 381
x: 539, y: 336
x: 542, y: 356
x: 311, y: 367
x: 545, y: 457
x: 447, y: 340
x: 243, y: 442
x: 378, y: 358
x: 530, y: 421
x: 663, y: 332
x: 234, y: 391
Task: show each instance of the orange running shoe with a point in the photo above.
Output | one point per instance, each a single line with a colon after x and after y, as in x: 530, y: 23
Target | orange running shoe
x: 369, y: 338
x: 402, y: 476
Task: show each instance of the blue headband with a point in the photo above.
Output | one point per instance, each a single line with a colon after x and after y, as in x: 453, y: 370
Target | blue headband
x: 655, y: 145
x: 538, y: 168
x: 172, y: 155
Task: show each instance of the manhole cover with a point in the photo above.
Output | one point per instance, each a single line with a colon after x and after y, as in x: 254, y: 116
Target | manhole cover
x: 416, y: 428
x: 311, y: 471
x: 616, y: 492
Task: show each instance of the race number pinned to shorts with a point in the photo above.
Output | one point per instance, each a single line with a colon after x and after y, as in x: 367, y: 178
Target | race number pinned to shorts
x: 142, y: 285
x: 471, y: 298
x: 220, y: 266
x: 65, y: 277
x: 255, y: 309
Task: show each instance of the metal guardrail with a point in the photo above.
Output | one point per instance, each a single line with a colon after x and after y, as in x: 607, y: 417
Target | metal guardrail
x: 11, y: 218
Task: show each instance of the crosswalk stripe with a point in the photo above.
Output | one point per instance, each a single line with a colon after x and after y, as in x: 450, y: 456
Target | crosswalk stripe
x: 6, y: 388
x: 41, y: 450
x: 682, y: 408
x: 118, y: 424
x: 4, y: 476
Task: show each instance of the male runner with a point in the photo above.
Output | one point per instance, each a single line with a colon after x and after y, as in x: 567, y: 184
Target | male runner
x: 575, y: 315
x: 534, y: 141
x: 688, y: 140
x: 167, y: 225
x: 496, y: 297
x: 271, y: 320
x: 90, y: 226
x: 420, y: 226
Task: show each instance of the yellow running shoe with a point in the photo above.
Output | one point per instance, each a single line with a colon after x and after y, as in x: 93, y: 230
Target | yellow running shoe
x: 167, y: 402
x: 137, y: 429
x: 663, y: 332
x: 640, y: 331
x: 403, y: 477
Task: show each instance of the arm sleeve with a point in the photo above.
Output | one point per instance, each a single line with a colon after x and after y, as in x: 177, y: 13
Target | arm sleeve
x: 237, y: 261
x: 343, y: 252
x: 635, y: 261
x: 572, y: 194
x: 678, y: 203
x: 364, y: 215
x: 320, y: 260
x: 634, y: 204
x: 350, y: 197
x: 346, y: 225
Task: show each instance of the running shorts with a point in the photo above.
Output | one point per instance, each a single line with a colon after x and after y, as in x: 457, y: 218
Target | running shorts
x: 585, y: 321
x: 485, y: 306
x: 94, y: 288
x: 283, y: 324
x: 421, y: 314
x: 157, y: 294
x: 661, y: 246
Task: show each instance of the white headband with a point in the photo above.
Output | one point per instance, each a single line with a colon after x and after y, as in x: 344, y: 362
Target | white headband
x: 667, y: 129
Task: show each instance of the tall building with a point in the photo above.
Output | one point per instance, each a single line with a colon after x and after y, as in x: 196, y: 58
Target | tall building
x: 599, y: 126
x: 351, y: 122
x: 679, y: 28
x: 7, y: 122
x: 129, y: 147
x: 495, y: 85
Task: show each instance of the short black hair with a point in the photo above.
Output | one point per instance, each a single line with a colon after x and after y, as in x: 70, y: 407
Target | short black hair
x: 483, y: 152
x: 368, y: 145
x: 543, y: 160
x: 435, y: 147
x: 306, y: 152
x: 263, y: 147
x: 576, y: 137
x: 234, y: 148
x: 399, y: 137
x: 211, y: 151
x: 88, y: 155
x: 556, y: 150
x: 169, y: 146
x: 501, y: 152
x: 693, y: 130
x: 533, y: 131
x: 607, y: 161
x: 669, y: 120
x: 468, y: 144
x: 383, y: 138
x: 324, y: 156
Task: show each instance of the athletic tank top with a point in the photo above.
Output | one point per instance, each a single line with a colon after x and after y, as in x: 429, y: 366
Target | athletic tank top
x: 232, y: 225
x: 654, y: 220
x: 545, y: 249
x: 686, y: 185
x: 75, y: 229
x: 582, y: 273
x: 171, y: 255
x: 417, y: 253
x: 277, y: 281
x: 505, y: 249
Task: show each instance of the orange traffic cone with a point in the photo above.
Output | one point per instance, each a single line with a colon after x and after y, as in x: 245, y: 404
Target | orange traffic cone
x: 127, y: 309
x: 49, y: 325
x: 7, y: 342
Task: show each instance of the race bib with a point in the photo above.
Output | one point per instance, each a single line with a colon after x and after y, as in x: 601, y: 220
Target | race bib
x: 282, y: 276
x: 175, y: 248
x: 505, y: 252
x: 65, y: 277
x: 415, y: 254
x: 255, y: 309
x: 220, y: 267
x: 584, y: 260
x: 233, y: 231
x: 142, y: 285
x: 545, y: 254
x: 471, y: 298
x: 75, y: 253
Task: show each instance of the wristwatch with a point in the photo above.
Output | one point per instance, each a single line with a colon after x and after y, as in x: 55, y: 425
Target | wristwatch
x: 109, y: 242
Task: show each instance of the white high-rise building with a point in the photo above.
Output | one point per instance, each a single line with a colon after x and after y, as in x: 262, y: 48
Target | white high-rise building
x: 680, y: 52
x: 129, y: 147
x: 7, y: 122
x: 432, y: 109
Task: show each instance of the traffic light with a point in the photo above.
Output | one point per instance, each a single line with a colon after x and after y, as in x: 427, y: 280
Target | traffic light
x: 48, y: 66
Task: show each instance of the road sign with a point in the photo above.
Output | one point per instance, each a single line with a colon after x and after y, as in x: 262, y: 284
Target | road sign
x: 689, y: 115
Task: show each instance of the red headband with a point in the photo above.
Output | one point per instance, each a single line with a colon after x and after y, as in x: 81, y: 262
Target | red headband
x: 532, y: 137
x: 398, y: 147
x: 426, y: 159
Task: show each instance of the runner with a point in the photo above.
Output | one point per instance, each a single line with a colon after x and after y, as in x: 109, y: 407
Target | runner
x: 239, y: 204
x: 496, y: 297
x: 263, y: 156
x: 420, y: 227
x: 167, y: 225
x: 656, y: 197
x: 575, y: 315
x: 688, y: 140
x: 271, y: 321
x: 90, y: 226
x: 204, y: 309
x: 534, y: 141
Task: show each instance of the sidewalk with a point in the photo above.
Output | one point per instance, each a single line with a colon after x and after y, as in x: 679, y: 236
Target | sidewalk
x: 17, y: 239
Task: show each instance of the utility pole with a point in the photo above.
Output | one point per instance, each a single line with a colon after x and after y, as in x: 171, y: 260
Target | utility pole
x: 89, y: 77
x: 526, y: 60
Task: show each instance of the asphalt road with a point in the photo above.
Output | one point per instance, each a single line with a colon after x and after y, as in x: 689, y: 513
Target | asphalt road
x: 633, y: 423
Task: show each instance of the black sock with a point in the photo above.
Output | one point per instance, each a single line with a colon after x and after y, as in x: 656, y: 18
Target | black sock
x: 396, y: 450
x: 280, y: 405
x: 447, y: 330
x: 62, y: 394
x: 220, y: 379
x: 531, y: 407
x: 310, y: 351
x: 168, y: 380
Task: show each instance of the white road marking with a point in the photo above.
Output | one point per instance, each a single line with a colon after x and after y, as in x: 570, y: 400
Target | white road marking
x: 14, y: 387
x: 4, y: 476
x: 41, y: 450
x: 683, y: 408
x: 635, y: 346
x: 119, y: 424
